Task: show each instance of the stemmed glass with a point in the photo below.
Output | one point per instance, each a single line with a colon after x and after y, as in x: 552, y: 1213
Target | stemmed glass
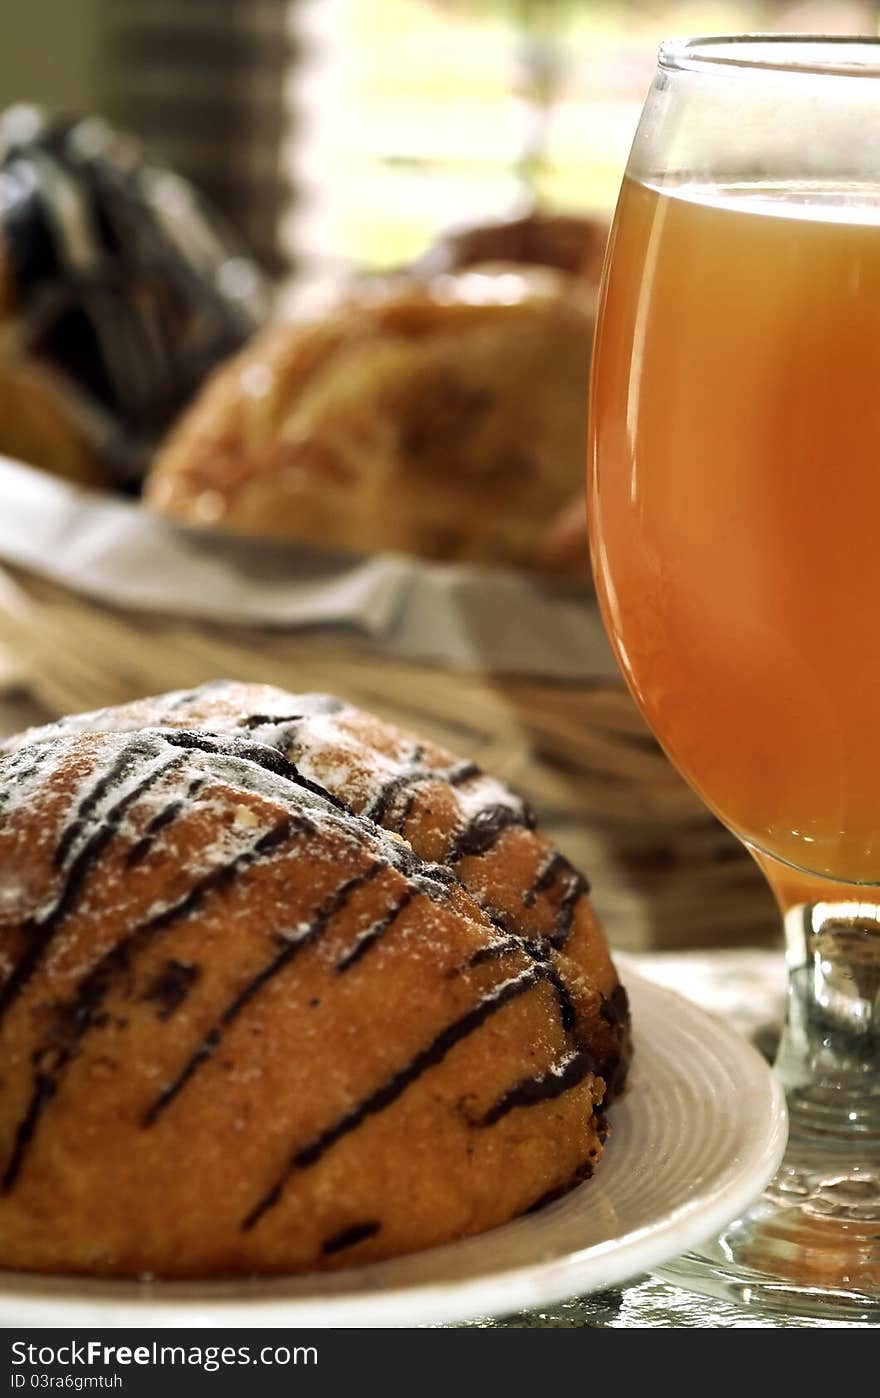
x: 734, y: 488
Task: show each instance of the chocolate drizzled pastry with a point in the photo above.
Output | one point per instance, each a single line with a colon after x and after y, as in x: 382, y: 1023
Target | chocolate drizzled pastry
x: 118, y: 279
x: 245, y: 1027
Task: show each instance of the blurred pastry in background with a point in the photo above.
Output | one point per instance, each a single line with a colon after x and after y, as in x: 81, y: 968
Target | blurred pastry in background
x: 572, y: 243
x: 37, y: 425
x: 116, y: 278
x: 443, y: 418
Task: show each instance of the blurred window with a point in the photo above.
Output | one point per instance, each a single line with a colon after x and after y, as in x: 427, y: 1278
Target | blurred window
x: 411, y: 116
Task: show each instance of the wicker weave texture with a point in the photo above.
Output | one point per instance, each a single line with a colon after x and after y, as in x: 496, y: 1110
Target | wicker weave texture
x: 664, y: 873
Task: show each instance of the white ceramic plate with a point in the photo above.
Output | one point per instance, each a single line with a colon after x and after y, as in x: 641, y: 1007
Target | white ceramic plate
x: 697, y: 1135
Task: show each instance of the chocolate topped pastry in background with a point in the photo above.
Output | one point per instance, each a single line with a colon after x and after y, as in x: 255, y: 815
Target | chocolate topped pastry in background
x: 283, y: 987
x: 443, y: 418
x: 118, y: 286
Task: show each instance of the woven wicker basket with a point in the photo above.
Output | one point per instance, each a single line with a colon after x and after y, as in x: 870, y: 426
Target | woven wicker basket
x: 664, y: 872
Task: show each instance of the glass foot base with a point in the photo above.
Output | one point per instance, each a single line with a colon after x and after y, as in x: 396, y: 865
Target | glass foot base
x: 809, y: 1246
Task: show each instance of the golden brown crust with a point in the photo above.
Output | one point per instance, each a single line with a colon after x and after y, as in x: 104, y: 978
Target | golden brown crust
x: 245, y: 1029
x: 444, y: 419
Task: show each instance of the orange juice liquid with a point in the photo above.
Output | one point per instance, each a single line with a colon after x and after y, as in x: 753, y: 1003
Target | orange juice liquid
x: 735, y: 504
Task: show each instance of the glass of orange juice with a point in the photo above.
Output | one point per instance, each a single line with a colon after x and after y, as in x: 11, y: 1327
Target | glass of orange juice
x: 734, y: 484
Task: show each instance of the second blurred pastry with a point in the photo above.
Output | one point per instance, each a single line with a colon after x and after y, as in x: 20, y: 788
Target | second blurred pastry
x: 38, y: 426
x: 444, y: 418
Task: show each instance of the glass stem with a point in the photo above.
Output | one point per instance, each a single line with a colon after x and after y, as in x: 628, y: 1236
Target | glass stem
x: 828, y: 1055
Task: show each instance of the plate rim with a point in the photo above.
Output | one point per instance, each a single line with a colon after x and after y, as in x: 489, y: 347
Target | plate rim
x: 37, y: 1301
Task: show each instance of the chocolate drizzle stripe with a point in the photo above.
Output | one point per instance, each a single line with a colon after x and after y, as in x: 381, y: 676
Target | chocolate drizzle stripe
x: 84, y: 1011
x: 546, y: 877
x: 127, y: 762
x: 14, y: 772
x: 544, y: 1087
x: 204, y: 1051
x: 614, y: 1065
x: 372, y: 934
x: 387, y: 794
x: 538, y: 953
x: 43, y: 1090
x: 399, y: 823
x: 168, y: 814
x: 576, y: 888
x: 615, y: 1007
x: 331, y: 905
x: 13, y: 778
x: 269, y: 758
x: 252, y: 721
x: 267, y: 843
x: 385, y: 798
x: 415, y: 775
x: 283, y: 739
x: 159, y: 822
x: 40, y: 932
x: 496, y: 949
x: 567, y: 1015
x: 348, y: 1237
x: 394, y: 1087
x: 498, y: 918
x: 485, y: 829
x: 34, y: 752
x: 318, y: 707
